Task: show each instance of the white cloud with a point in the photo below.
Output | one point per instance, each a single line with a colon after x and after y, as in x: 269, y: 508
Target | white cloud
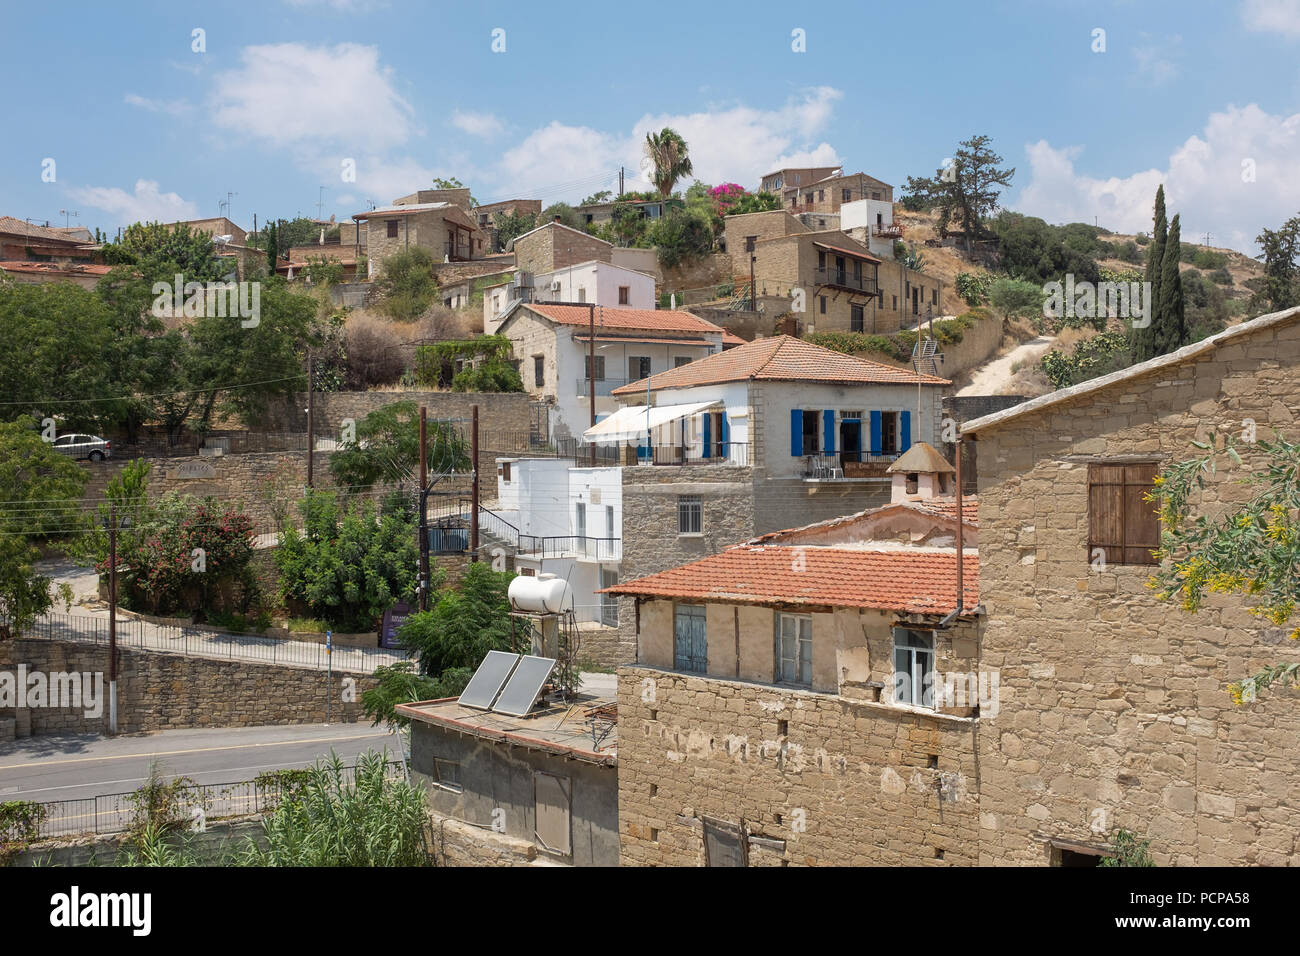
x: 310, y: 97
x: 1206, y: 180
x: 735, y: 144
x: 1156, y: 61
x: 1272, y: 16
x: 171, y: 107
x: 146, y: 204
x: 484, y: 125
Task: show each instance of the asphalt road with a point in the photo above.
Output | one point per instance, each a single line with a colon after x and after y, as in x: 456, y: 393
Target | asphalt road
x: 68, y: 767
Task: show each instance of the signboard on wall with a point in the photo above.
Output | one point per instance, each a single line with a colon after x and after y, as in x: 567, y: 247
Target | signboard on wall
x: 394, y: 618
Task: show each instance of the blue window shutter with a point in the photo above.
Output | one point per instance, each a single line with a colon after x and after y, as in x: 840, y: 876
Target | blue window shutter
x: 875, y: 433
x: 905, y: 430
x: 726, y: 433
x: 796, y: 432
x: 828, y: 429
x: 708, y: 436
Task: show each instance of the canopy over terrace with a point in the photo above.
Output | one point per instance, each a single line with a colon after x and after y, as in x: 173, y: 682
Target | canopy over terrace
x: 689, y: 431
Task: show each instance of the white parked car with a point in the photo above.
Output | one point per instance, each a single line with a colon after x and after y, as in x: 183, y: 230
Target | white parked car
x: 84, y: 446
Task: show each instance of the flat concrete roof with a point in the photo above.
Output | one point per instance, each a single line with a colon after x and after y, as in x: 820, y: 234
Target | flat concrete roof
x: 583, y: 729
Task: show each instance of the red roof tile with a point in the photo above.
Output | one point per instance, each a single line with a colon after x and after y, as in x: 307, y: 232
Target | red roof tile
x: 642, y: 320
x: 939, y: 507
x: 781, y: 358
x: 911, y: 580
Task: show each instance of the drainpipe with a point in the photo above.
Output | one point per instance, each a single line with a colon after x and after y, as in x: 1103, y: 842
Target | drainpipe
x: 960, y: 544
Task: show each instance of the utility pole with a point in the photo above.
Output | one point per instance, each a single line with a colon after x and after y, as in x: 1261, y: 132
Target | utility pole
x: 311, y: 415
x: 591, y: 373
x: 424, y: 511
x: 620, y: 181
x: 112, y: 617
x: 473, y: 516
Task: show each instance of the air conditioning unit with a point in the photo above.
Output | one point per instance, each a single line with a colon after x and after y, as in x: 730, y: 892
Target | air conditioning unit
x: 555, y: 286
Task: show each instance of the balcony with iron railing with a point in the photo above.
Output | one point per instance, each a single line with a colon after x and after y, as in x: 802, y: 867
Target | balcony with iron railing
x: 887, y: 230
x: 717, y: 453
x: 847, y: 466
x: 582, y: 547
x: 603, y: 386
x: 847, y: 279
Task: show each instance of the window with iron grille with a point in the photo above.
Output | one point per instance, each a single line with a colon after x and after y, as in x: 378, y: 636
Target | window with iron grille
x: 690, y: 514
x: 539, y: 371
x: 600, y: 367
x: 690, y: 638
x: 1122, y: 525
x: 392, y: 228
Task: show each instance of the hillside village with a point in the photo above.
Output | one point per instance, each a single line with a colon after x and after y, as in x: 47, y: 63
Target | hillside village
x: 834, y: 544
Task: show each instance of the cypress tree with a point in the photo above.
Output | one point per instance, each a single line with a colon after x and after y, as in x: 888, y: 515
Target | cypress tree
x: 1170, y: 324
x: 1145, y: 340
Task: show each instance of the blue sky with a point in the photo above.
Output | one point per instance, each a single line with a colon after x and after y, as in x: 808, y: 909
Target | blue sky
x: 1202, y: 96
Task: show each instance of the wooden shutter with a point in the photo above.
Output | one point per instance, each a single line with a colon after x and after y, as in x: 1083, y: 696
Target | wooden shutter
x: 796, y: 432
x: 828, y: 431
x: 904, y: 430
x: 875, y: 432
x: 1120, y: 521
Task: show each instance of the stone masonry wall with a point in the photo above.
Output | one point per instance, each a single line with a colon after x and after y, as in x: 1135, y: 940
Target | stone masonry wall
x: 815, y: 779
x: 162, y: 691
x: 1114, y: 710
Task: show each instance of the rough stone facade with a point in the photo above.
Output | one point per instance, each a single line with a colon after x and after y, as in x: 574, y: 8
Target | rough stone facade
x: 1114, y: 708
x: 553, y: 246
x: 162, y: 691
x: 812, y: 779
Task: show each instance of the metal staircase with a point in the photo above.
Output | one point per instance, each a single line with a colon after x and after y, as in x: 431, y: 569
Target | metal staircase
x: 923, y: 356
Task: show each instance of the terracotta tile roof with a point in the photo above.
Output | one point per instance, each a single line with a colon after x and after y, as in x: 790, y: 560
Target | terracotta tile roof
x: 911, y: 580
x: 51, y: 268
x: 9, y: 224
x: 781, y: 358
x: 642, y: 320
x: 943, y: 507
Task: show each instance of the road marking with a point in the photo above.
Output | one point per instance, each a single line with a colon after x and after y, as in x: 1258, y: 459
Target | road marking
x: 192, y: 750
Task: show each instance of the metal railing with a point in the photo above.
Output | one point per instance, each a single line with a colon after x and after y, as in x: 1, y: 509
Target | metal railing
x: 118, y: 812
x: 137, y: 634
x: 571, y: 545
x: 718, y: 453
x: 845, y: 279
x: 603, y: 386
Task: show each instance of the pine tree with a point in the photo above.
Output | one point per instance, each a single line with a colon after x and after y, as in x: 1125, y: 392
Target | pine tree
x: 1170, y: 322
x: 1145, y: 340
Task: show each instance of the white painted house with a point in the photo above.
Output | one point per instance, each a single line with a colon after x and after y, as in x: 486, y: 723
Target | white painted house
x: 553, y: 344
x: 870, y: 221
x: 603, y: 283
x: 565, y: 521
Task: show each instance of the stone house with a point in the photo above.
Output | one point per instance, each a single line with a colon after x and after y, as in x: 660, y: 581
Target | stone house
x: 1114, y: 710
x: 553, y: 344
x: 23, y: 241
x: 829, y: 281
x: 442, y: 228
x: 781, y: 181
x: 487, y: 216
x: 804, y: 699
x: 595, y: 214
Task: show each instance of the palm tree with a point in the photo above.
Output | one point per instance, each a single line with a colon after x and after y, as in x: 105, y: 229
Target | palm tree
x: 667, y: 151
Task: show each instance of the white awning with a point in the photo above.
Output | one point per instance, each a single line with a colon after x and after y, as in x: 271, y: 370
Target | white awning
x: 631, y: 422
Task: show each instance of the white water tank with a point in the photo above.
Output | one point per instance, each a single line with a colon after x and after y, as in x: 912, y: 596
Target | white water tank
x: 542, y: 594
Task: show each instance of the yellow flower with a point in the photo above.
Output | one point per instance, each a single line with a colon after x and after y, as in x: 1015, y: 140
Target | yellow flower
x: 1234, y: 691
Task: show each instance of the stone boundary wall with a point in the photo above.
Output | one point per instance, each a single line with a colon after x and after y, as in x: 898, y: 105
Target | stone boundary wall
x: 815, y: 779
x: 501, y: 411
x: 162, y: 691
x: 454, y: 843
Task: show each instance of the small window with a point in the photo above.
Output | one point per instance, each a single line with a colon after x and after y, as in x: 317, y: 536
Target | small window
x: 624, y: 294
x: 749, y: 243
x: 822, y: 307
x: 690, y: 514
x: 846, y: 195
x: 600, y: 367
x: 855, y: 318
x: 875, y: 194
x: 794, y: 649
x: 934, y: 296
x: 680, y: 360
x: 580, y: 519
x: 690, y: 639
x: 638, y: 367
x: 821, y: 260
x: 582, y: 293
x: 539, y: 371
x: 505, y: 470
x: 913, y: 667
x: 821, y: 195
x: 895, y: 298
x: 528, y: 572
x: 1122, y: 524
x: 446, y: 775
x: 808, y: 198
x: 392, y: 228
